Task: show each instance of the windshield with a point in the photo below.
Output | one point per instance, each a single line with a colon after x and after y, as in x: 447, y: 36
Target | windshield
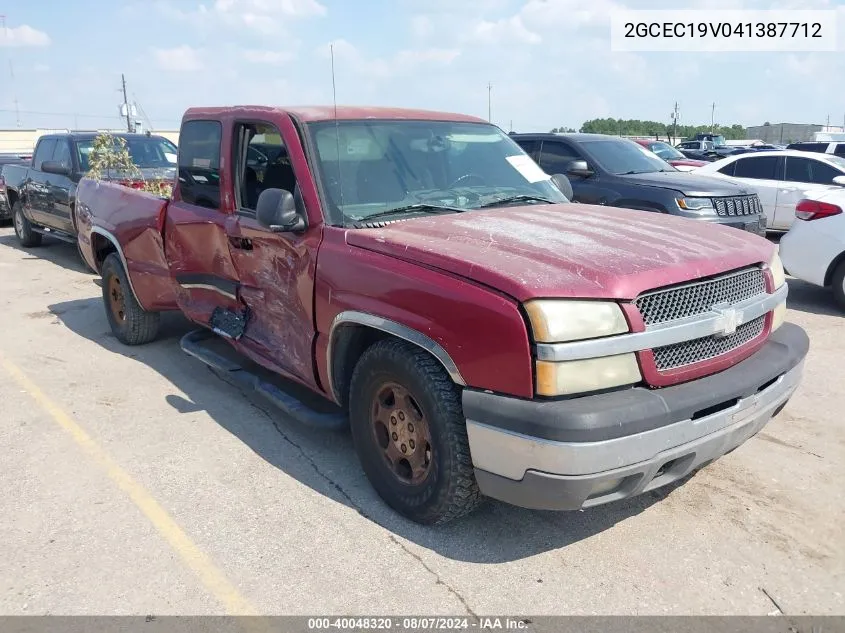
x: 147, y: 152
x: 619, y: 156
x: 665, y: 151
x: 369, y: 168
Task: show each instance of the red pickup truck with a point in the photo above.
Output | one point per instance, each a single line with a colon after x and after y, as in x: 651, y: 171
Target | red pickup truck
x: 437, y: 292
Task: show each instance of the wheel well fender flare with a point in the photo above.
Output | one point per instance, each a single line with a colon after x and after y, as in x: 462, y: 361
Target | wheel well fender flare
x: 97, y: 230
x: 389, y: 327
x: 828, y: 276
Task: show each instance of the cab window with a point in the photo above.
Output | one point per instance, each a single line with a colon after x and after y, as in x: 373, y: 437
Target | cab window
x: 199, y: 163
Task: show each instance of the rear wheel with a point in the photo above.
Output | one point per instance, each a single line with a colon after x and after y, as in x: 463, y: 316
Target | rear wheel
x: 130, y: 323
x: 23, y: 228
x: 838, y: 283
x: 410, y: 433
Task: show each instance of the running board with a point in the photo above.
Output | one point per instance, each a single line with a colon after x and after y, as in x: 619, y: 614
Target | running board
x: 59, y: 235
x: 193, y: 344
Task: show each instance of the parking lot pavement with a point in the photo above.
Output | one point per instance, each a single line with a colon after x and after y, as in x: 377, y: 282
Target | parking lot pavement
x: 136, y: 481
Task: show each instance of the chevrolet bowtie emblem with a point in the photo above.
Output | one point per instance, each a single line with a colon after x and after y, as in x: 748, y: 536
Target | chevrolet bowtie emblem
x: 729, y: 320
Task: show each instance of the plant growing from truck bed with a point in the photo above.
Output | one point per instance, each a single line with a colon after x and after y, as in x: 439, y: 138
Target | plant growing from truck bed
x: 110, y: 154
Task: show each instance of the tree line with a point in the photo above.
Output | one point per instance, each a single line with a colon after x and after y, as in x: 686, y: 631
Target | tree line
x: 637, y: 127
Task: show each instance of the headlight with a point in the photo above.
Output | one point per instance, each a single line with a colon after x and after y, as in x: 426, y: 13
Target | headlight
x: 695, y: 204
x: 778, y: 275
x: 778, y: 316
x: 592, y: 374
x: 560, y: 320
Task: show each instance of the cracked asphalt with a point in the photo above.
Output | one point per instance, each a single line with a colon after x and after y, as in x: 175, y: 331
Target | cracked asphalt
x: 136, y: 481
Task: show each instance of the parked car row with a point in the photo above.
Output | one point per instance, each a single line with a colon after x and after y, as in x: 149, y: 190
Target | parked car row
x: 422, y: 280
x: 555, y: 321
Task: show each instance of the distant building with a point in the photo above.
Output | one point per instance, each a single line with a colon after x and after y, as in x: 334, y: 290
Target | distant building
x: 788, y: 132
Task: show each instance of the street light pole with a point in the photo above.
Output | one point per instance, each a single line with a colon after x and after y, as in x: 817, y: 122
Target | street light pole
x: 489, y: 102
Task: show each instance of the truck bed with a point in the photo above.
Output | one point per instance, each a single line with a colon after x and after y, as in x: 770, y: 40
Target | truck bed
x: 111, y: 215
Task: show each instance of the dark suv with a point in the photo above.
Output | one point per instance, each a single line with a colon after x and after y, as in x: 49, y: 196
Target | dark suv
x: 609, y: 170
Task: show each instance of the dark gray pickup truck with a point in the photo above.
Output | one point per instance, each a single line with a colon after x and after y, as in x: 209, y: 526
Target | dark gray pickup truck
x: 42, y: 194
x: 613, y: 171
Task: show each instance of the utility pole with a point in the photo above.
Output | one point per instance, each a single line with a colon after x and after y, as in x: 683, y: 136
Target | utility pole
x: 828, y: 121
x: 675, y: 115
x: 11, y: 73
x: 126, y: 104
x: 712, y: 117
x: 489, y: 102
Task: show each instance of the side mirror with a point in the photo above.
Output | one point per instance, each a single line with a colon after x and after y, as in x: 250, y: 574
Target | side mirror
x: 276, y: 210
x: 839, y: 180
x: 579, y: 168
x: 562, y: 182
x: 55, y: 167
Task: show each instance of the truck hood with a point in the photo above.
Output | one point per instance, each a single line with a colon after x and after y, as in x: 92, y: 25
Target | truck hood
x: 567, y: 250
x: 689, y: 184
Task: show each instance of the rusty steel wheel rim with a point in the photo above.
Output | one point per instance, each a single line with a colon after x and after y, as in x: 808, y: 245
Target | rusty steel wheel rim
x: 401, y: 432
x: 117, y: 302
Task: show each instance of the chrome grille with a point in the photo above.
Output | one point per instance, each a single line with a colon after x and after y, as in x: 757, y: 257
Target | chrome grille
x: 700, y: 297
x: 697, y: 350
x: 738, y: 205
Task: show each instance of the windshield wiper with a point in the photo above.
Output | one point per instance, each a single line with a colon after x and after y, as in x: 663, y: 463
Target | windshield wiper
x: 519, y: 198
x: 420, y: 207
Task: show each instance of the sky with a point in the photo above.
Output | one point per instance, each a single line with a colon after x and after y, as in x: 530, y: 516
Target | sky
x: 549, y: 62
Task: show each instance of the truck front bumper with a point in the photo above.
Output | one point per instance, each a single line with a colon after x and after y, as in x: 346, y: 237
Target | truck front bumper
x: 754, y: 224
x: 582, y: 452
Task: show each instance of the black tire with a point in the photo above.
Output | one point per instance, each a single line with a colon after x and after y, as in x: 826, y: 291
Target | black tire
x: 130, y: 323
x: 23, y: 228
x: 838, y: 284
x: 449, y: 489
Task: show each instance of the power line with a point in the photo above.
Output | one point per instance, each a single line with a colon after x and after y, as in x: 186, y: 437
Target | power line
x: 90, y: 116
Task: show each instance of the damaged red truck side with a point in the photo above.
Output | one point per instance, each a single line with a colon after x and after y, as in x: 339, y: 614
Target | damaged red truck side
x: 481, y: 335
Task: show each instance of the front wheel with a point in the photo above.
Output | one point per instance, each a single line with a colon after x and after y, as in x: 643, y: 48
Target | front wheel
x: 129, y: 322
x: 410, y: 434
x: 23, y: 228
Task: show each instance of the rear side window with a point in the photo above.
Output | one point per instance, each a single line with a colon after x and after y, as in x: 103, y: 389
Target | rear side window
x: 728, y: 170
x: 532, y: 148
x: 839, y: 150
x: 758, y: 167
x: 798, y: 169
x: 822, y: 173
x: 43, y: 152
x: 199, y: 163
x: 809, y: 147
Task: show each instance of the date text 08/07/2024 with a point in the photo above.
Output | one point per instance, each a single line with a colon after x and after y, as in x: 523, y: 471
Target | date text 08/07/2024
x: 418, y: 623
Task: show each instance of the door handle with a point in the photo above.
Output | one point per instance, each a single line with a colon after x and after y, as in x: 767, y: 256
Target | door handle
x: 242, y: 243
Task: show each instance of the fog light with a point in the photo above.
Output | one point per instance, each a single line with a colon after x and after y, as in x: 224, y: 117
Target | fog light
x: 605, y: 487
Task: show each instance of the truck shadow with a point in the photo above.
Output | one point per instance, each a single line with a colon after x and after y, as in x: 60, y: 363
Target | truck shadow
x: 326, y: 461
x: 811, y: 299
x: 52, y: 250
